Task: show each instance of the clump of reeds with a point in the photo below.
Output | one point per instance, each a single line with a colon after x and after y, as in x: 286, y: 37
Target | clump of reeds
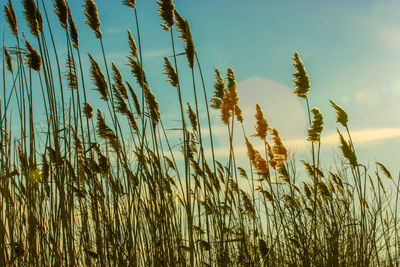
x: 84, y: 189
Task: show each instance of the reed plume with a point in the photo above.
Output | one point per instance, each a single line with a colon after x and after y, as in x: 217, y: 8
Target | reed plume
x: 106, y: 132
x: 230, y: 100
x: 77, y: 141
x: 186, y: 35
x: 152, y: 104
x: 384, y: 170
x: 341, y: 114
x: 73, y: 30
x: 118, y: 81
x: 167, y: 13
x: 121, y: 105
x: 278, y: 148
x: 132, y: 45
x: 71, y: 75
x: 39, y: 19
x: 132, y: 120
x: 33, y: 60
x: 262, y: 124
x: 99, y: 79
x: 348, y: 153
x: 61, y: 10
x: 8, y: 59
x: 248, y: 204
x: 324, y: 190
x: 31, y: 16
x: 88, y: 110
x: 137, y: 71
x: 307, y: 190
x: 226, y: 107
x: 284, y: 173
x: 92, y: 17
x: 219, y: 90
x: 293, y: 202
x: 301, y: 79
x: 135, y: 99
x: 259, y: 163
x: 317, y: 125
x: 129, y: 3
x: 11, y: 18
x: 171, y: 73
x: 312, y: 170
x: 192, y: 117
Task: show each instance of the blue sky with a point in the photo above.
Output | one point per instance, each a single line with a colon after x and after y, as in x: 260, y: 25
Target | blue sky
x: 350, y: 49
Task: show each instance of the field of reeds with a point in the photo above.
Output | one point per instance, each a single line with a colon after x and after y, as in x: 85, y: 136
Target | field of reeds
x: 96, y: 182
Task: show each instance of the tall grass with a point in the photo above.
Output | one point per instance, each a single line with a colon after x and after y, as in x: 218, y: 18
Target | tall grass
x: 97, y: 182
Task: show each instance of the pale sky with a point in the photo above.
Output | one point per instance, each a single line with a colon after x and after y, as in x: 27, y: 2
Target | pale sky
x: 351, y: 50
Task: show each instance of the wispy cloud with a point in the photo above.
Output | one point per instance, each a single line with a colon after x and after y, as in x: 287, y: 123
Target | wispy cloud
x: 360, y: 138
x: 155, y: 53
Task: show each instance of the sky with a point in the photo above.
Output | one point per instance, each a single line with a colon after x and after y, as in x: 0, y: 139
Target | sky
x: 351, y: 50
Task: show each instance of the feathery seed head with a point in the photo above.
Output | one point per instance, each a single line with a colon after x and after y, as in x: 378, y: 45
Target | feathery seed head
x: 77, y: 141
x: 278, y: 148
x: 106, y: 132
x: 71, y: 73
x: 137, y: 71
x: 8, y: 59
x: 61, y: 10
x: 166, y: 12
x: 92, y: 17
x: 171, y: 73
x: 341, y: 114
x: 192, y: 117
x: 152, y: 104
x: 99, y: 79
x: 347, y: 151
x: 73, y: 30
x: 323, y: 189
x: 238, y: 114
x: 88, y: 110
x: 231, y: 78
x: 118, y: 81
x: 34, y: 60
x: 317, y: 125
x: 384, y: 170
x: 248, y: 204
x: 135, y: 99
x: 230, y: 100
x: 262, y: 124
x: 301, y: 79
x: 186, y: 35
x: 120, y: 103
x: 30, y: 13
x: 11, y: 18
x: 259, y: 163
x: 132, y: 121
x: 219, y: 86
x: 129, y: 3
x: 132, y: 45
x: 39, y: 19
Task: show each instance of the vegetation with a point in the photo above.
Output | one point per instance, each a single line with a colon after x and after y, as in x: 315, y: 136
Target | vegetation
x: 98, y: 182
